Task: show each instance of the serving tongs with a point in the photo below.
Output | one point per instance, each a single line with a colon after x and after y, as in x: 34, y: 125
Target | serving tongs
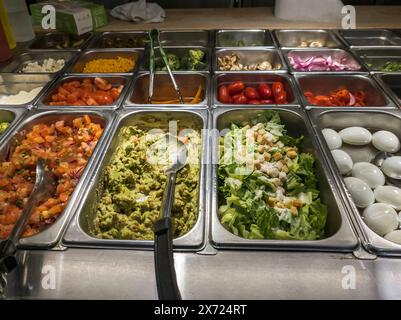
x: 154, y: 34
x: 44, y: 187
x: 166, y: 280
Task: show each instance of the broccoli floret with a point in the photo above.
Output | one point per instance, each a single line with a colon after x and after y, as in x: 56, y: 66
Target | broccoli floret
x: 173, y: 61
x: 196, y: 54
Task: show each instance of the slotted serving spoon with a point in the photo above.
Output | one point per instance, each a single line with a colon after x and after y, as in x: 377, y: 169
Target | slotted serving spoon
x: 44, y: 187
x: 166, y: 280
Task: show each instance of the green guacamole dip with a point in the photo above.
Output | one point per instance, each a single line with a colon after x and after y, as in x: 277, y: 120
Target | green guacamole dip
x: 134, y: 186
x: 3, y: 126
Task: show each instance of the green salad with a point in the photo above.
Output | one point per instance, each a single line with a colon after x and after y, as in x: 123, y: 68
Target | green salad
x: 267, y: 189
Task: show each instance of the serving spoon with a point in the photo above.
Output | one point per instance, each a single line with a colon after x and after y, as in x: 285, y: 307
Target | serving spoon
x: 166, y: 280
x: 44, y: 187
x: 378, y: 161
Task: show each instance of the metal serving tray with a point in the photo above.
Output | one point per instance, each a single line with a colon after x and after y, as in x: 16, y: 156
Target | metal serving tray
x: 369, y: 38
x: 338, y: 53
x: 251, y: 56
x: 99, y: 38
x: 113, y: 79
x: 252, y: 79
x: 88, y: 55
x: 289, y: 39
x: 163, y: 89
x: 374, y: 120
x: 324, y: 84
x: 78, y: 231
x: 50, y: 236
x: 243, y: 38
x: 339, y: 233
x: 11, y: 83
x: 374, y: 59
x: 47, y: 41
x: 13, y: 116
x: 178, y: 51
x: 391, y: 83
x: 185, y: 38
x: 20, y: 61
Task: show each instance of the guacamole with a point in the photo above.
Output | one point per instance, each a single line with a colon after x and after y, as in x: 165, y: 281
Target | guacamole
x: 134, y: 185
x: 3, y: 126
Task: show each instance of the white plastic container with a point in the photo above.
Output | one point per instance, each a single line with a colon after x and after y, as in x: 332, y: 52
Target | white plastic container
x: 20, y: 20
x: 309, y: 10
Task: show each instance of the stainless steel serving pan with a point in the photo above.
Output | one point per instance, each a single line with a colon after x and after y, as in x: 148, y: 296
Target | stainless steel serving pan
x: 304, y: 54
x: 88, y: 55
x: 243, y: 38
x: 49, y: 41
x: 78, y: 231
x: 179, y: 52
x: 140, y: 36
x: 115, y: 80
x: 51, y: 235
x: 369, y: 38
x: 251, y: 56
x: 185, y: 38
x: 252, y: 79
x: 11, y: 83
x: 13, y: 115
x: 374, y: 59
x: 324, y: 84
x: 391, y: 83
x: 164, y: 90
x: 339, y: 235
x: 20, y: 61
x: 291, y: 39
x: 374, y: 120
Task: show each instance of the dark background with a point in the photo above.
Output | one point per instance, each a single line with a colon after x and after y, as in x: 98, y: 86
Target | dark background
x: 229, y: 3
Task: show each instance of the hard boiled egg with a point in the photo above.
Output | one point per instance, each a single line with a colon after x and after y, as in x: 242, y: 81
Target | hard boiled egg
x: 381, y: 218
x: 342, y: 160
x: 390, y: 195
x: 392, y: 167
x: 356, y: 136
x: 394, y: 236
x: 332, y: 138
x: 368, y: 173
x: 360, y: 192
x: 386, y: 141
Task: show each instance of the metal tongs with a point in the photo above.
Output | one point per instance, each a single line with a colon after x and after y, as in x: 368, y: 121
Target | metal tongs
x: 166, y: 280
x: 154, y: 34
x: 44, y: 187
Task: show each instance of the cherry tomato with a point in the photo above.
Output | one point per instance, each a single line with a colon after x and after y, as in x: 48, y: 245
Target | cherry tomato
x: 254, y: 101
x: 223, y: 95
x: 239, y: 99
x: 265, y: 91
x: 235, y: 88
x: 277, y: 88
x: 251, y: 93
x: 266, y: 101
x: 281, y: 98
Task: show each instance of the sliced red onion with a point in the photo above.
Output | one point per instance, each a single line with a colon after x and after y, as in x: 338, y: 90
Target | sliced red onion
x: 351, y: 99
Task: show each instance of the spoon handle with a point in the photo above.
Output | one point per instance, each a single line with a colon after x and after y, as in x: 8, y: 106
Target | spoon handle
x: 166, y: 279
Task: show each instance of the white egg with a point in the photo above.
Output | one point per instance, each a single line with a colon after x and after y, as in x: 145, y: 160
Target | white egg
x: 392, y: 167
x: 356, y: 136
x: 332, y: 138
x: 381, y: 218
x: 386, y: 141
x: 390, y: 195
x: 343, y: 161
x: 368, y: 173
x: 394, y: 236
x: 360, y: 192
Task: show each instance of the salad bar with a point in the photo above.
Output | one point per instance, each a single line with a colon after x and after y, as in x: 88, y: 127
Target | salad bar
x: 292, y: 185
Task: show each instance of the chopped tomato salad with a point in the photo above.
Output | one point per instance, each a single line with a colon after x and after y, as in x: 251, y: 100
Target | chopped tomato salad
x: 337, y: 98
x: 66, y: 149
